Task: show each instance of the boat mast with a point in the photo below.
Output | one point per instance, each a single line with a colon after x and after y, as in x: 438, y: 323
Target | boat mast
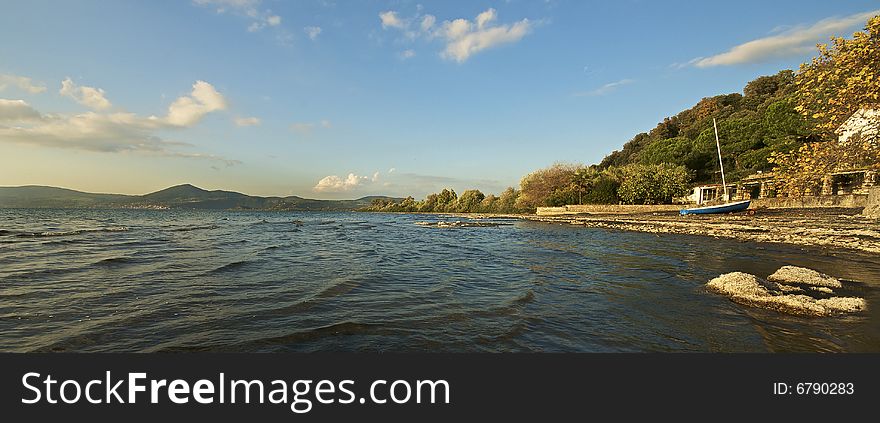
x: 718, y: 144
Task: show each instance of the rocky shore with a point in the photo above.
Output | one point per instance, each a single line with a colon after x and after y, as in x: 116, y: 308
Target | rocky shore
x: 825, y: 227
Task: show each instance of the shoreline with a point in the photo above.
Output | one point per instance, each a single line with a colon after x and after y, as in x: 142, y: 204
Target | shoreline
x: 826, y: 227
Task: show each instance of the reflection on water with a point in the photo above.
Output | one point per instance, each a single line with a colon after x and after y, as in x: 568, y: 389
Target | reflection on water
x: 86, y: 280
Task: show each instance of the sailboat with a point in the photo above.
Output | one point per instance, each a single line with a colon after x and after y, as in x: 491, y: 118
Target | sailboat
x: 728, y: 206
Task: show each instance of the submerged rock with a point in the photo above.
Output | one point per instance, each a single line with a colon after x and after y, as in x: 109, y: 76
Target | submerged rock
x: 747, y: 289
x: 803, y: 276
x: 460, y: 224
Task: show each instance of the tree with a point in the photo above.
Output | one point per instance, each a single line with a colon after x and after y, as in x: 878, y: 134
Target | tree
x: 802, y: 171
x: 604, y: 189
x: 842, y: 79
x: 507, y: 201
x: 470, y: 201
x: 446, y: 200
x: 489, y: 204
x: 652, y: 184
x: 769, y: 85
x: 546, y: 187
x: 430, y: 204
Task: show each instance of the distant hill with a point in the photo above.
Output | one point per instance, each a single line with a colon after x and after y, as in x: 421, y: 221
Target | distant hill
x: 184, y: 196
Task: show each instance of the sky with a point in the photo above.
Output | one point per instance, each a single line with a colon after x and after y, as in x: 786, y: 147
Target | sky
x: 342, y: 99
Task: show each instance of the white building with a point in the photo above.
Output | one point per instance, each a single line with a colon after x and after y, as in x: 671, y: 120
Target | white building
x: 864, y: 122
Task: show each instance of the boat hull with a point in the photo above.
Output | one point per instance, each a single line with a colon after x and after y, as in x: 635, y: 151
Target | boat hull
x: 721, y: 208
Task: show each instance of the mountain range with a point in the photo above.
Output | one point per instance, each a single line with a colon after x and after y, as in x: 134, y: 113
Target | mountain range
x: 184, y: 196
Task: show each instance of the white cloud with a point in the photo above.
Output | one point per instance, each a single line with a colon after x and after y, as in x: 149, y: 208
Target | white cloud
x: 391, y: 20
x: 486, y: 17
x: 247, y: 121
x: 428, y: 23
x: 249, y: 9
x: 605, y: 89
x: 791, y: 42
x: 17, y: 110
x: 306, y: 128
x: 463, y: 37
x: 407, y: 54
x: 189, y: 110
x: 109, y: 132
x: 335, y: 183
x: 313, y: 32
x: 23, y: 83
x: 90, y: 97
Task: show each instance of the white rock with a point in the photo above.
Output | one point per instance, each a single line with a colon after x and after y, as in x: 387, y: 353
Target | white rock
x: 747, y: 289
x: 803, y: 276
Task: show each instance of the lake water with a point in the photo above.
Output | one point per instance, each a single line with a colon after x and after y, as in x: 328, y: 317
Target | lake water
x: 141, y: 280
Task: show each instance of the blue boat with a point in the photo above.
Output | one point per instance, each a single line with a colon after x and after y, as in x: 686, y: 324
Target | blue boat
x: 736, y: 206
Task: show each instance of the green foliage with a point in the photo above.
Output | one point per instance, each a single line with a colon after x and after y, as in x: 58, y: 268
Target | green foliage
x: 470, y: 200
x: 652, y: 184
x: 548, y: 187
x: 751, y: 127
x: 446, y: 201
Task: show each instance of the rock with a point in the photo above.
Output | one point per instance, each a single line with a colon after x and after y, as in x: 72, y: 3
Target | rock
x: 747, y: 289
x: 738, y: 284
x: 460, y: 224
x: 803, y: 276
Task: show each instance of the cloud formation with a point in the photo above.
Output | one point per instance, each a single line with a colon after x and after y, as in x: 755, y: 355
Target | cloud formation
x: 90, y: 97
x: 605, y: 89
x: 247, y: 121
x: 391, y: 20
x: 335, y: 183
x: 462, y: 37
x: 313, y: 32
x: 250, y: 9
x: 465, y: 38
x: 110, y: 132
x: 21, y: 82
x: 17, y: 111
x: 791, y: 42
x: 189, y: 110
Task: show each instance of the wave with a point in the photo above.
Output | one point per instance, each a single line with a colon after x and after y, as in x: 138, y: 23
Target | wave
x: 113, y: 261
x: 231, y: 266
x: 345, y: 328
x: 194, y: 228
x: 69, y: 233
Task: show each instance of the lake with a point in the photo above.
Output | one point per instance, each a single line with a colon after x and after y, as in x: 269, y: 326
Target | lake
x: 153, y: 280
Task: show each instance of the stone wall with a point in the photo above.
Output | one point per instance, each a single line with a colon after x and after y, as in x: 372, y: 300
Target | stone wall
x: 845, y: 201
x: 872, y: 208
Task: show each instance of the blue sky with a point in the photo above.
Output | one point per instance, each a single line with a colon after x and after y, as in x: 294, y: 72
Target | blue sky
x: 340, y: 99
